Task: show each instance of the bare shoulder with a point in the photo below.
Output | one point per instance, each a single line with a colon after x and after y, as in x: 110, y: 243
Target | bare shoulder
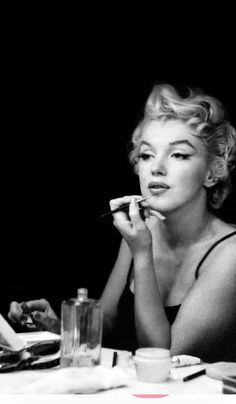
x: 221, y: 260
x: 225, y: 254
x: 224, y: 244
x: 217, y: 278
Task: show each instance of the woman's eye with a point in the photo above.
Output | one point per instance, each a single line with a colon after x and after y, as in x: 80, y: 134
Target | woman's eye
x: 181, y: 156
x: 144, y: 156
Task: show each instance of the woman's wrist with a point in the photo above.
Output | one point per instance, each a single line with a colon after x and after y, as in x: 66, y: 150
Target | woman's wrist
x: 143, y: 259
x: 138, y: 249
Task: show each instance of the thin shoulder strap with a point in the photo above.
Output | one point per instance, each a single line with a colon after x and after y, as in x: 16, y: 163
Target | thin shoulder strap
x: 210, y: 249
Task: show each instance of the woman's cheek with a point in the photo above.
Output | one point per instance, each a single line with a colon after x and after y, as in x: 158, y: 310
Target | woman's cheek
x: 197, y: 176
x: 143, y: 180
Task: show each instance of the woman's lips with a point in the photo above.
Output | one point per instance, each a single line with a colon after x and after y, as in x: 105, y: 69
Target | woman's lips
x: 157, y: 191
x: 157, y: 187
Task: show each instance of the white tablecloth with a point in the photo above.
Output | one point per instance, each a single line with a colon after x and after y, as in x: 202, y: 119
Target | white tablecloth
x: 204, y: 385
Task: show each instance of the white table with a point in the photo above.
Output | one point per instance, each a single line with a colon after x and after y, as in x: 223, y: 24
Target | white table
x: 174, y: 388
x: 174, y: 385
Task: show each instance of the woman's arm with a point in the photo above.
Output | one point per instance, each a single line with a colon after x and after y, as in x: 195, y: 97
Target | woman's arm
x: 152, y: 326
x: 206, y: 322
x: 114, y: 288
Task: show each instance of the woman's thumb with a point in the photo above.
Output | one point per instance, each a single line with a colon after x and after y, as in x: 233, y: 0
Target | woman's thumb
x: 39, y: 317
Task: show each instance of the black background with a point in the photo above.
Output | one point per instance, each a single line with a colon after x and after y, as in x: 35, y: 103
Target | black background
x: 71, y: 113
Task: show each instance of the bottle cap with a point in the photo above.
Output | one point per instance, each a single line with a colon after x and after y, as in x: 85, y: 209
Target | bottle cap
x: 82, y: 294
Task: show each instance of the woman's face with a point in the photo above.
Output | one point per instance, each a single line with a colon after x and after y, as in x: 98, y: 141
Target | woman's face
x: 172, y: 165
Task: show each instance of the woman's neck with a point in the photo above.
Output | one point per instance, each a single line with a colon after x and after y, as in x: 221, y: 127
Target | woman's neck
x: 185, y: 228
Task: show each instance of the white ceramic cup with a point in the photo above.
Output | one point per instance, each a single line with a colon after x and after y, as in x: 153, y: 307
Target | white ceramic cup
x: 153, y: 365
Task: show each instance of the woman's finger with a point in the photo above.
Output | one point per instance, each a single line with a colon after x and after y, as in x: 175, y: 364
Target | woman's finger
x: 47, y: 322
x: 158, y: 215
x: 144, y: 213
x: 134, y: 213
x: 39, y: 305
x: 118, y: 202
x: 15, y: 312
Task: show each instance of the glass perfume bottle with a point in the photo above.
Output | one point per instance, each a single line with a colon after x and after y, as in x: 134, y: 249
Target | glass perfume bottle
x: 81, y: 331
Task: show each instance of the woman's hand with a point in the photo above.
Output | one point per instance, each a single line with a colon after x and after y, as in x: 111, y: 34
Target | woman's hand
x: 130, y: 224
x: 42, y: 314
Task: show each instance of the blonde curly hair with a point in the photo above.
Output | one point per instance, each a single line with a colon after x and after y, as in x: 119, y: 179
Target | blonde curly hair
x: 206, y: 118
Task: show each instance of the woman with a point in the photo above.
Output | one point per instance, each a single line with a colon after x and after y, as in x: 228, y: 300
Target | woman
x: 174, y: 281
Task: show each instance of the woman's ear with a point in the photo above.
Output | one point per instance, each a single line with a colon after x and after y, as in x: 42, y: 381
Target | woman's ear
x: 210, y: 180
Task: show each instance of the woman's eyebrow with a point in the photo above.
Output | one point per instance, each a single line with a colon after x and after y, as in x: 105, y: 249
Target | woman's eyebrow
x: 174, y: 143
x: 143, y: 142
x: 184, y: 141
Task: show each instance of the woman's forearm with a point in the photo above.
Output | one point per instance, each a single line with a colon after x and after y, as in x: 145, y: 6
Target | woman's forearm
x: 152, y: 325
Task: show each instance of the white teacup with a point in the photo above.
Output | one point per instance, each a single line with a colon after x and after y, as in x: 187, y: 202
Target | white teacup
x: 153, y: 365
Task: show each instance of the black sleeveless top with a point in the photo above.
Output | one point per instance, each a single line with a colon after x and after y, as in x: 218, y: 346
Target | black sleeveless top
x: 124, y: 335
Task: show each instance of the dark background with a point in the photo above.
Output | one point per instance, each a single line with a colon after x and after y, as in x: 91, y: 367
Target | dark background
x: 71, y: 115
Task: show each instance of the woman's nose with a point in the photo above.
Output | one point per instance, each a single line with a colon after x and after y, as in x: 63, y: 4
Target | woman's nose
x: 158, y: 167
